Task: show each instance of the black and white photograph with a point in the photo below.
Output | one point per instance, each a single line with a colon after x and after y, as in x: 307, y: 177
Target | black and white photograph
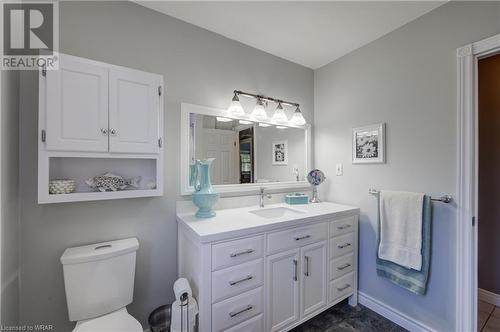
x: 280, y: 153
x: 368, y: 144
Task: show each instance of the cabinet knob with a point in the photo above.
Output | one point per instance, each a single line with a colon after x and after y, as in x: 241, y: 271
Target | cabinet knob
x: 113, y: 131
x: 104, y: 131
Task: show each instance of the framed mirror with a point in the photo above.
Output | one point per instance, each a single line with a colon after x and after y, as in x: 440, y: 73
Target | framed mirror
x: 248, y: 155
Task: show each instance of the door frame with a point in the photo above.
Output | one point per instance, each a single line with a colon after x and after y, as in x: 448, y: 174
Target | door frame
x: 467, y: 175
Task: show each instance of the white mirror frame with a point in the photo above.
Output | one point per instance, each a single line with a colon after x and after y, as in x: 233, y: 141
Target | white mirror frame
x: 232, y: 189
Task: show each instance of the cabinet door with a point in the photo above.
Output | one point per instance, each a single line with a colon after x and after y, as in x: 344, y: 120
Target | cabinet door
x: 134, y: 111
x: 283, y: 289
x: 76, y: 103
x: 314, y: 277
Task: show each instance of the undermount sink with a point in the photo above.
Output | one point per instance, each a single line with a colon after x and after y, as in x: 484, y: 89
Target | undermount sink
x: 277, y: 212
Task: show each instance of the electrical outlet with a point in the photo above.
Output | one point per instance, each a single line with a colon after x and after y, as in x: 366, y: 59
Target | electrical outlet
x: 339, y: 169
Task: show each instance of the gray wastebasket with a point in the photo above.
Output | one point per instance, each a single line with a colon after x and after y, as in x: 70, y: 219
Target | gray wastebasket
x: 160, y: 319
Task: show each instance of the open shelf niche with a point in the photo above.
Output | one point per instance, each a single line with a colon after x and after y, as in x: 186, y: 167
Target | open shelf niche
x: 81, y: 169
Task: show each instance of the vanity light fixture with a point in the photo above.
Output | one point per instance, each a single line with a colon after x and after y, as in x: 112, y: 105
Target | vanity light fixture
x: 245, y: 122
x: 223, y: 119
x: 279, y: 115
x: 235, y: 108
x: 259, y: 111
x: 297, y: 118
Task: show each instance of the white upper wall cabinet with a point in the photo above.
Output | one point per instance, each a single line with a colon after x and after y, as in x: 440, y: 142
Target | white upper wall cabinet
x: 134, y: 99
x: 97, y: 118
x: 77, y: 106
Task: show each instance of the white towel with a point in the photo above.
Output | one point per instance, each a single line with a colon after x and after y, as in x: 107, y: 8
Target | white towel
x: 401, y: 228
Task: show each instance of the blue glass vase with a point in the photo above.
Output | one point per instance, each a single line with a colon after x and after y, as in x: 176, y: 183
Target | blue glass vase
x: 205, y: 195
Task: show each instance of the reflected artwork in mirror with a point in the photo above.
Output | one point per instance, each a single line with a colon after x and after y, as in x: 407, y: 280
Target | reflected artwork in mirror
x: 245, y: 152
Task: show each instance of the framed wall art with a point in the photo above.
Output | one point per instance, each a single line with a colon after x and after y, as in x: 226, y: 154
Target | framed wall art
x: 368, y: 144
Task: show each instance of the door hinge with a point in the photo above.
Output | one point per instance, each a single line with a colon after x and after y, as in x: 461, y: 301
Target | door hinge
x: 160, y: 142
x: 44, y: 135
x: 44, y: 71
x: 159, y: 90
x: 473, y: 221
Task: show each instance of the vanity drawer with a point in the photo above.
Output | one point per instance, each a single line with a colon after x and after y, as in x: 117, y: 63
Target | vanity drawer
x: 237, y: 279
x: 342, y: 226
x: 235, y: 252
x: 341, y: 286
x: 341, y: 245
x: 237, y: 309
x: 255, y: 324
x: 296, y: 237
x: 341, y: 266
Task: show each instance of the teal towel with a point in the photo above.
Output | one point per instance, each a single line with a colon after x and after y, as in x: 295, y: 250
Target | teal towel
x: 412, y: 280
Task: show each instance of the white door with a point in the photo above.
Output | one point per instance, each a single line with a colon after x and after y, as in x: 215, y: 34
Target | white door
x: 221, y: 145
x: 313, y: 290
x: 77, y: 106
x: 283, y: 289
x: 134, y: 111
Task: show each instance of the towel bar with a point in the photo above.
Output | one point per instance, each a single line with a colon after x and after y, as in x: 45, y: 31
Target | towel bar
x: 444, y: 199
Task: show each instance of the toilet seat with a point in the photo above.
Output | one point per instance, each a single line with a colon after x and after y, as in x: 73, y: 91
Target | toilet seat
x: 116, y: 321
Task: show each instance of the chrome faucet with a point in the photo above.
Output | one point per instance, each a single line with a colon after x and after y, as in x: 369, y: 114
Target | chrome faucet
x: 262, y: 196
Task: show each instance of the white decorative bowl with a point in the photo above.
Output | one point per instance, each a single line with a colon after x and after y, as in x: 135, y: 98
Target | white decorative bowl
x: 61, y: 186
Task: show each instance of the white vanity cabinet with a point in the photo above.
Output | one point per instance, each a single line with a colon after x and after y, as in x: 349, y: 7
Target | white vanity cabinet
x: 252, y: 276
x: 95, y: 118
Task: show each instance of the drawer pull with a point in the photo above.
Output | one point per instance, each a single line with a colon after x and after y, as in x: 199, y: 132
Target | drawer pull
x: 343, y: 227
x: 306, y: 273
x: 343, y: 267
x: 232, y: 283
x: 239, y: 253
x: 340, y: 289
x: 294, y: 270
x: 247, y: 308
x: 302, y: 237
x: 342, y: 246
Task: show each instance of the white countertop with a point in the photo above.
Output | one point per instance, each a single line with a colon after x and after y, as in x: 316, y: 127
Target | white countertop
x: 230, y: 223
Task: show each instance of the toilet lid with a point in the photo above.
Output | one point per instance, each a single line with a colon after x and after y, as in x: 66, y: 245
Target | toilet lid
x: 119, y: 321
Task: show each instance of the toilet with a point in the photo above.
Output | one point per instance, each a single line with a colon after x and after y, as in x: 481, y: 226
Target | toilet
x: 99, y: 284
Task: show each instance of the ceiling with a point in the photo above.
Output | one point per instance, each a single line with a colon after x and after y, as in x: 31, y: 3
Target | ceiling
x: 311, y: 34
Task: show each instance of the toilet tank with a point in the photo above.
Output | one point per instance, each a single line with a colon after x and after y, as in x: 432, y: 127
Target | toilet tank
x: 99, y: 278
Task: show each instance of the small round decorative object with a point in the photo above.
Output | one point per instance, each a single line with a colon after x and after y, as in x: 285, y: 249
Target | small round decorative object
x: 315, y: 177
x: 62, y: 186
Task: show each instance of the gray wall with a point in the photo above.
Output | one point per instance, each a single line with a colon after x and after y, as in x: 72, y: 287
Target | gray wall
x: 489, y: 174
x: 199, y: 67
x: 406, y: 79
x: 9, y: 228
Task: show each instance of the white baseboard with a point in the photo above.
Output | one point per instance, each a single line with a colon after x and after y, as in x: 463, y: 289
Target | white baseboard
x: 489, y: 297
x: 393, y: 314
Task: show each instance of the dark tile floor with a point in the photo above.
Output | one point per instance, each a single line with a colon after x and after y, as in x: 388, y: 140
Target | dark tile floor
x: 344, y: 318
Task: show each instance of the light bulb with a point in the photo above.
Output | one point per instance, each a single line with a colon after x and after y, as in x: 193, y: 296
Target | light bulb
x: 259, y: 112
x: 279, y: 115
x: 263, y: 125
x: 235, y: 108
x: 281, y: 127
x: 297, y: 118
x: 245, y: 122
